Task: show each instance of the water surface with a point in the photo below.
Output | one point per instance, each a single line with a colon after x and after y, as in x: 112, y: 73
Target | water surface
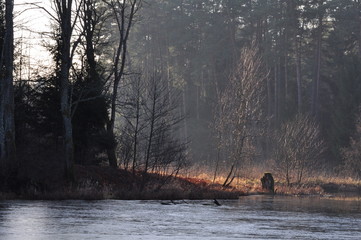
x: 253, y: 217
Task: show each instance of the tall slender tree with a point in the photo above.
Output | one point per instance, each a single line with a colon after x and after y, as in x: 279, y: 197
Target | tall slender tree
x: 66, y: 23
x: 89, y: 95
x: 7, y: 123
x: 123, y: 12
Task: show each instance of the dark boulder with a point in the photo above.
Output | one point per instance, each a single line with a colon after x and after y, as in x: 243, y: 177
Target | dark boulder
x: 268, y: 182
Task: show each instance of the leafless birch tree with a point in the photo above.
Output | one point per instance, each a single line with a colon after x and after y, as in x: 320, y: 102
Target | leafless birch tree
x: 240, y: 113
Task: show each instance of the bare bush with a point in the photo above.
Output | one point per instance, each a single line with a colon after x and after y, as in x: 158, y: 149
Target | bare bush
x: 149, y: 140
x: 352, y: 154
x: 298, y: 149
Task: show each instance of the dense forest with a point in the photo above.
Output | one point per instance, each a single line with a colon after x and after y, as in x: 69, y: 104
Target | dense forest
x: 164, y: 85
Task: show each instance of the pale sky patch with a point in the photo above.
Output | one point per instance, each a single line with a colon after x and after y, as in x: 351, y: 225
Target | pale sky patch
x: 32, y: 28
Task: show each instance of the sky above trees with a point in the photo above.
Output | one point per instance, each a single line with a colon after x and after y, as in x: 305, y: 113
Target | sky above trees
x: 32, y: 33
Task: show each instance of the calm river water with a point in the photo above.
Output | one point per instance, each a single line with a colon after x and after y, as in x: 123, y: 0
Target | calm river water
x: 252, y: 217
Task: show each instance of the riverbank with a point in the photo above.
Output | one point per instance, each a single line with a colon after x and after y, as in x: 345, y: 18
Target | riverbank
x: 94, y: 183
x: 321, y: 186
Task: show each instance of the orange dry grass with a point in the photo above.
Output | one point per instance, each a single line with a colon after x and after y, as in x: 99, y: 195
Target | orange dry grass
x: 250, y: 183
x: 335, y: 180
x: 242, y: 184
x: 298, y: 190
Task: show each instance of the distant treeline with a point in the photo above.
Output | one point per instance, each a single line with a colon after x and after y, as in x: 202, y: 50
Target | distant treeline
x: 310, y: 51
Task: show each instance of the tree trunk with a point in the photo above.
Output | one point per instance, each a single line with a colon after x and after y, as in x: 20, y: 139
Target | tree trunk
x: 269, y: 97
x: 359, y: 35
x: 227, y: 181
x: 197, y: 101
x: 276, y: 94
x: 68, y: 141
x: 316, y: 80
x: 136, y: 130
x: 152, y: 122
x: 2, y: 130
x: 111, y: 146
x: 286, y: 65
x: 359, y: 38
x: 7, y: 123
x: 298, y: 75
x: 64, y: 8
x: 185, y: 129
x: 112, y: 157
x: 89, y: 26
x: 124, y: 23
x: 218, y: 158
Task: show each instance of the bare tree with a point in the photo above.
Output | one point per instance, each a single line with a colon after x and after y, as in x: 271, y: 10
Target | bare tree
x: 240, y: 113
x: 123, y: 12
x: 133, y: 112
x: 298, y: 73
x: 164, y: 151
x: 151, y: 122
x: 352, y: 154
x: 298, y: 148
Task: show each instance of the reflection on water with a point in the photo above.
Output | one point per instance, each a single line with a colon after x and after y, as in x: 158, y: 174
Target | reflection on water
x: 253, y: 217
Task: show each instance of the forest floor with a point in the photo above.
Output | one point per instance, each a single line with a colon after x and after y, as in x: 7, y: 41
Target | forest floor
x: 92, y: 182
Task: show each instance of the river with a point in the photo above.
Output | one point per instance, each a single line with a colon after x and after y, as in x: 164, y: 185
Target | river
x: 251, y: 217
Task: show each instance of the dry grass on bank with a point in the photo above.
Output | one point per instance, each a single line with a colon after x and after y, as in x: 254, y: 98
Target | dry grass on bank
x: 322, y: 185
x: 106, y: 183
